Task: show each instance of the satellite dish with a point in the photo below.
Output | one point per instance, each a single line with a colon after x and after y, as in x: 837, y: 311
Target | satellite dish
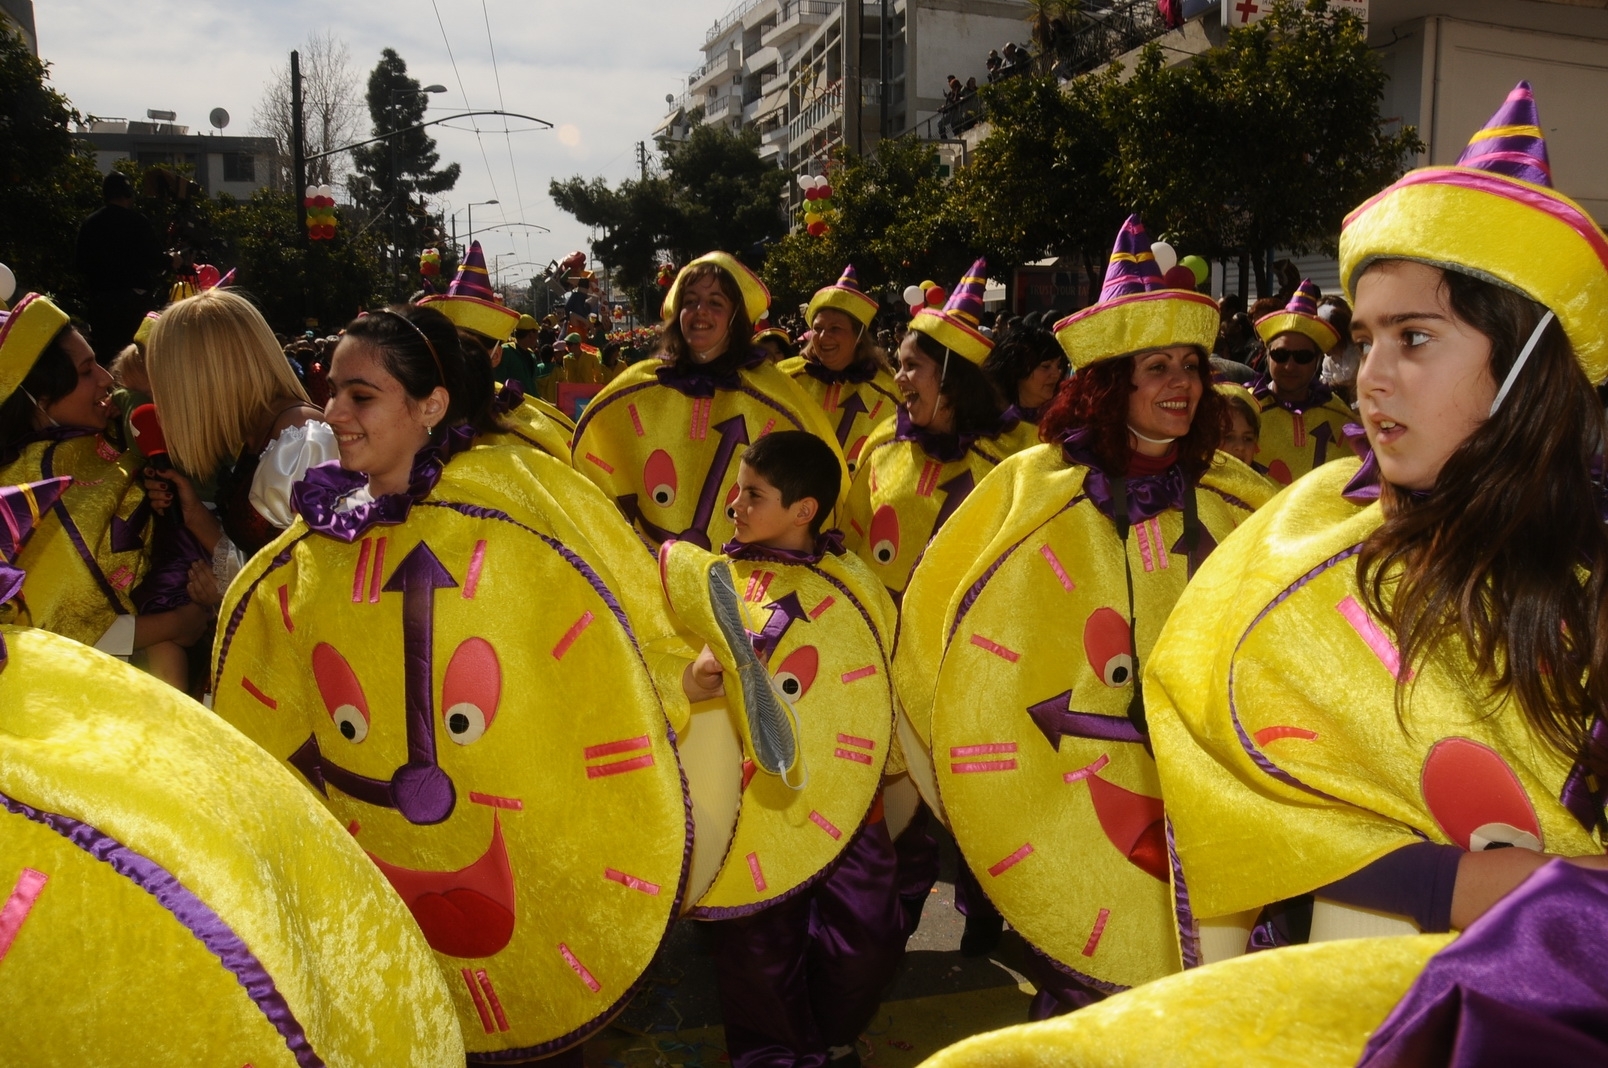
x: 669, y: 98
x: 219, y: 118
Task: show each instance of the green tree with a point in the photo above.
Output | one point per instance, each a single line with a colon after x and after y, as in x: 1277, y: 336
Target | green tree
x: 48, y: 181
x: 393, y: 175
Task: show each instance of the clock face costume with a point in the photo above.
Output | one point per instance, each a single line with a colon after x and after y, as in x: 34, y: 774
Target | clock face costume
x: 820, y: 625
x: 430, y: 664
x: 533, y: 422
x: 150, y: 910
x: 1298, y: 437
x: 663, y: 442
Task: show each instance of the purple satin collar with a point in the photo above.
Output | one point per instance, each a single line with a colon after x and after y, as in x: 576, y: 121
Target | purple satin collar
x: 1148, y: 495
x: 1318, y: 394
x: 698, y: 380
x: 827, y: 543
x: 1363, y: 489
x: 1019, y: 414
x: 511, y: 396
x: 61, y: 433
x: 858, y: 372
x: 945, y: 448
x: 317, y: 497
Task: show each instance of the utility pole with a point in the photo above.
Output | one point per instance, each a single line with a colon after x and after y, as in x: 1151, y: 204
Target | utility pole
x: 642, y: 158
x: 853, y: 19
x: 298, y: 152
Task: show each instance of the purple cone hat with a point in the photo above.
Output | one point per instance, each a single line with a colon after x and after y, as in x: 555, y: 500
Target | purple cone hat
x: 1300, y: 316
x: 1495, y: 215
x: 1136, y: 311
x: 847, y: 297
x: 470, y: 303
x: 955, y: 326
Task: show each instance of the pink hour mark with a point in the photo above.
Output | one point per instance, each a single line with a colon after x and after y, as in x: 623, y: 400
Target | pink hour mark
x: 1011, y: 861
x: 989, y: 645
x: 30, y: 884
x: 1094, y: 936
x: 1055, y: 565
x: 1373, y: 636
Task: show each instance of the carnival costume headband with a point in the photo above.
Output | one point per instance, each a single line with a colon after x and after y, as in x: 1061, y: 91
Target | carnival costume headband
x: 756, y: 298
x: 25, y: 332
x: 1136, y: 310
x: 1300, y: 316
x: 847, y: 297
x: 469, y: 301
x: 1495, y: 216
x: 441, y: 374
x: 954, y: 326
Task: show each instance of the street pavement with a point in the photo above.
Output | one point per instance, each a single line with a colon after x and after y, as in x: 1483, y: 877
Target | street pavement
x: 938, y: 998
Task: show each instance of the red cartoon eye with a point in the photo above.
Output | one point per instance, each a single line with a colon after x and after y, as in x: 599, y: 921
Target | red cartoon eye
x: 797, y: 673
x: 853, y: 455
x: 342, y: 694
x: 731, y: 499
x: 1107, y: 644
x: 471, y: 690
x: 884, y: 536
x: 1476, y: 798
x: 659, y: 475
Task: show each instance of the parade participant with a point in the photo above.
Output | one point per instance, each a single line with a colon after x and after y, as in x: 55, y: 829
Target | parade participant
x: 1029, y: 618
x: 776, y: 342
x: 425, y: 647
x: 1027, y: 367
x: 150, y: 899
x: 1451, y: 584
x: 518, y: 362
x: 948, y: 433
x: 841, y: 367
x: 664, y: 438
x: 89, y: 560
x: 808, y: 930
x: 1301, y: 417
x: 231, y: 410
x: 1244, y: 428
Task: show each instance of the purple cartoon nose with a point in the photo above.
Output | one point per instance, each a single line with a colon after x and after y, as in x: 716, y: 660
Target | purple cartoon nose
x: 422, y: 792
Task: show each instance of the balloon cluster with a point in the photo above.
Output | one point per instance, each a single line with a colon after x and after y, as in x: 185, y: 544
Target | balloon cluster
x: 817, y: 201
x: 667, y: 275
x: 574, y: 262
x: 320, y: 205
x: 619, y: 313
x: 430, y: 262
x: 1187, y: 273
x: 926, y: 295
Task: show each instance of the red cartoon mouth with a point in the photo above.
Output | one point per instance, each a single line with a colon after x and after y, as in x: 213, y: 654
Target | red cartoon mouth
x: 1476, y: 798
x: 463, y: 913
x: 1133, y: 823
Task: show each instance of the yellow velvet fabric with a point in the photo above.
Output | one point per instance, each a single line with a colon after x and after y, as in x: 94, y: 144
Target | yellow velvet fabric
x: 1321, y: 334
x: 1050, y: 624
x: 64, y: 594
x: 1300, y: 1007
x: 575, y: 769
x: 756, y: 298
x: 899, y: 492
x: 853, y: 423
x: 832, y: 664
x: 23, y: 336
x: 487, y: 317
x: 537, y: 424
x: 952, y: 333
x: 654, y: 448
x: 1122, y: 326
x: 101, y: 973
x: 1290, y: 445
x: 859, y: 306
x: 1266, y: 672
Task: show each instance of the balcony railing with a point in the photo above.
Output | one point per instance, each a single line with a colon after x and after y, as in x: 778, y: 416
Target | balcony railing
x: 716, y: 66
x: 817, y: 112
x: 724, y: 24
x: 796, y: 13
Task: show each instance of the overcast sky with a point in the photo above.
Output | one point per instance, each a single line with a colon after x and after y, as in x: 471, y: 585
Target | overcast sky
x: 598, y: 71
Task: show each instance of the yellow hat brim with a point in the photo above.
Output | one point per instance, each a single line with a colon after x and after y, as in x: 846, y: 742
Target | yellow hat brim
x: 24, y: 337
x: 858, y: 306
x: 495, y: 321
x: 1513, y: 233
x: 756, y: 298
x: 952, y: 334
x: 1123, y: 326
x: 142, y: 333
x: 1324, y: 336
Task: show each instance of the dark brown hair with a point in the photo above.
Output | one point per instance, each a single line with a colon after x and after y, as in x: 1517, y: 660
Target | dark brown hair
x: 1097, y: 396
x: 1492, y: 555
x: 422, y: 349
x: 739, y: 340
x: 51, y: 378
x: 1018, y: 356
x: 972, y: 397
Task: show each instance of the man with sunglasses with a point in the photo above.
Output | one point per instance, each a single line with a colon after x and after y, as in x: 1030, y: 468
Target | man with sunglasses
x: 1301, y: 417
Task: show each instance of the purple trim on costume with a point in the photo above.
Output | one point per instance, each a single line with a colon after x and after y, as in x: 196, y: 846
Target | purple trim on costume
x: 317, y: 497
x: 1318, y: 394
x: 1229, y: 497
x: 971, y: 595
x: 47, y: 468
x: 1088, y: 980
x: 509, y: 397
x: 737, y: 912
x: 1584, y: 803
x: 858, y: 373
x: 827, y: 543
x: 945, y: 448
x: 1262, y: 762
x: 1148, y: 495
x: 1188, y: 932
x: 241, y: 605
x: 210, y: 929
x: 698, y: 380
x: 1017, y: 413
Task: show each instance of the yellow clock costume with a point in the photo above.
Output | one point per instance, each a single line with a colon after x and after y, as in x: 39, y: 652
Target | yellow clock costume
x: 1016, y: 659
x: 169, y: 894
x: 862, y: 396
x: 1272, y: 691
x: 503, y: 757
x: 531, y: 421
x: 1299, y: 437
x: 663, y: 442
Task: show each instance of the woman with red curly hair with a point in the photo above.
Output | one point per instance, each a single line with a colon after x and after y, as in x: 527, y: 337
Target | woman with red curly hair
x: 1028, y: 619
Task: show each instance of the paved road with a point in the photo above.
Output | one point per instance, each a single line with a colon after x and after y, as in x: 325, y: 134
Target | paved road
x: 938, y: 998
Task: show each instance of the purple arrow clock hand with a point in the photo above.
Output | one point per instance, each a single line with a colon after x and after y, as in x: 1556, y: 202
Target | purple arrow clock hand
x: 422, y: 791
x: 955, y: 490
x: 850, y: 408
x: 784, y: 612
x: 1322, y: 435
x: 1056, y: 720
x: 633, y: 513
x: 733, y: 432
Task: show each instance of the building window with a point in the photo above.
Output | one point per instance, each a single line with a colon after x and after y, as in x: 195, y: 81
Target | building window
x: 239, y: 167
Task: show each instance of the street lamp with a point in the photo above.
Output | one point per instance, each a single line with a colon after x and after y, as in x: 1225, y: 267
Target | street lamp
x: 477, y: 204
x: 397, y: 196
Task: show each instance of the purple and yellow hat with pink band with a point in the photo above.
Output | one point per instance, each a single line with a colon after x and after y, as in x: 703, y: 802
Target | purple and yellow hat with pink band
x: 25, y: 332
x: 470, y: 303
x: 1494, y: 215
x: 847, y: 297
x: 1300, y: 316
x: 955, y: 325
x: 1136, y: 311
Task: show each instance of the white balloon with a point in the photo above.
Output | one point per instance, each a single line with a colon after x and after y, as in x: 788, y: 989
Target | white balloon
x: 327, y: 191
x: 8, y: 282
x: 914, y: 297
x: 806, y: 182
x: 1166, y: 258
x: 312, y: 191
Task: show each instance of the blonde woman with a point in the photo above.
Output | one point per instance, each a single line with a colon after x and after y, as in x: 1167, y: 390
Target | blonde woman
x: 233, y: 410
